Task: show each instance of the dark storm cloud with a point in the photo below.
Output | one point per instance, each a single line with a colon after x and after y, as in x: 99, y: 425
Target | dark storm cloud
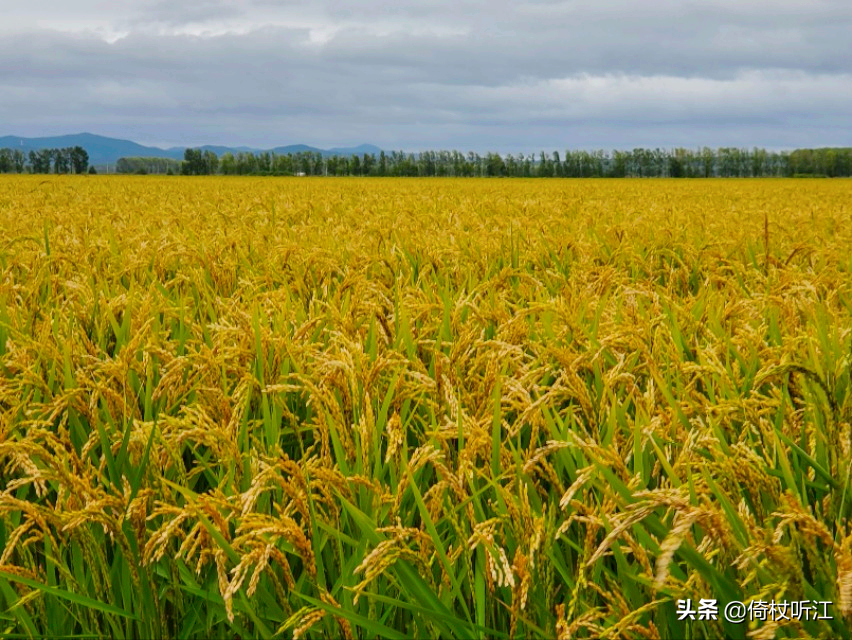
x: 502, y: 75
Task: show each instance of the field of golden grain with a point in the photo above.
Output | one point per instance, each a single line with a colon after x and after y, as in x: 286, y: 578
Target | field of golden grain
x: 273, y: 408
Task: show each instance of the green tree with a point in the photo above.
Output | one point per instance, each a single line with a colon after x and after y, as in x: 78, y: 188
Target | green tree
x: 211, y: 162
x: 19, y: 160
x: 79, y: 159
x: 61, y: 160
x: 708, y: 162
x: 40, y: 161
x: 193, y: 163
x: 228, y: 164
x: 6, y: 163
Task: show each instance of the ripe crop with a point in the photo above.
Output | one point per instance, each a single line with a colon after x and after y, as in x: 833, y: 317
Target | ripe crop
x: 422, y: 408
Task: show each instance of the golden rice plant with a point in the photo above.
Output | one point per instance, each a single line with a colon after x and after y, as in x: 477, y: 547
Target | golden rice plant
x: 352, y: 408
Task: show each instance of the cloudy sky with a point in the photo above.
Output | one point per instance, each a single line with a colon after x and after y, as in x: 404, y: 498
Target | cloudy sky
x: 503, y: 75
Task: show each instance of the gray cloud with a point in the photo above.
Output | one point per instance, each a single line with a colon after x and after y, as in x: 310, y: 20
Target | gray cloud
x: 473, y: 75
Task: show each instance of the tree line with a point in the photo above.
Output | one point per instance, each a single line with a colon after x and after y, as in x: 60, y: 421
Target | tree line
x: 195, y: 163
x: 725, y: 162
x: 669, y: 163
x: 66, y: 160
x: 143, y: 166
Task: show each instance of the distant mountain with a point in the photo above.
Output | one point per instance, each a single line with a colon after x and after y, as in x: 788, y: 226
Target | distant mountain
x: 103, y: 150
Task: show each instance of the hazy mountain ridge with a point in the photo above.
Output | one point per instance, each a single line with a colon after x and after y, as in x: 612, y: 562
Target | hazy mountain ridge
x: 106, y: 150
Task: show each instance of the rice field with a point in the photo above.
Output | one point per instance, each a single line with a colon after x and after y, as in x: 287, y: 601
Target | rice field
x: 281, y: 408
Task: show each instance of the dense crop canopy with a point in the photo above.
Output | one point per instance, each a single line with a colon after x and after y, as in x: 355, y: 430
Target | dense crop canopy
x: 359, y: 408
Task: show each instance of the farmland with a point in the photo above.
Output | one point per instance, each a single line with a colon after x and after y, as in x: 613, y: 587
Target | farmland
x: 246, y: 407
